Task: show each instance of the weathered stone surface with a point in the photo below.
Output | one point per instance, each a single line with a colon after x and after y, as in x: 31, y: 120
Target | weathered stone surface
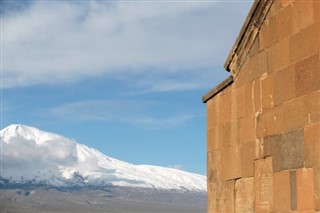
x: 268, y: 35
x: 302, y: 15
x: 312, y: 106
x: 284, y: 22
x: 316, y: 179
x: 247, y: 159
x: 307, y: 75
x: 305, y: 189
x: 263, y: 185
x: 224, y: 107
x: 221, y: 197
x: 293, y: 189
x: 299, y: 46
x: 286, y: 149
x: 312, y: 145
x: 231, y: 163
x: 240, y: 102
x: 278, y: 56
x: 212, y: 112
x: 230, y: 133
x: 284, y: 86
x: 214, y: 140
x: 214, y: 166
x: 281, y: 191
x: 258, y: 65
x: 268, y: 92
x: 244, y: 194
x: 316, y: 11
x: 247, y: 129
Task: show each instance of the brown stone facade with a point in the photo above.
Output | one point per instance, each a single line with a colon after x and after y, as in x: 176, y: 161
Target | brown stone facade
x: 263, y: 123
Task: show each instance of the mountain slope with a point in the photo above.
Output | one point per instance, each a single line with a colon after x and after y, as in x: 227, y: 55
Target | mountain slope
x: 30, y: 155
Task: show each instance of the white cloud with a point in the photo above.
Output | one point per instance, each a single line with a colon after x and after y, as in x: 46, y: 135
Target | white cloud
x: 137, y: 113
x: 61, y: 41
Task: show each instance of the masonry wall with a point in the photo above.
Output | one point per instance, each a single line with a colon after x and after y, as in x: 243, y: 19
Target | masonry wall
x: 263, y: 131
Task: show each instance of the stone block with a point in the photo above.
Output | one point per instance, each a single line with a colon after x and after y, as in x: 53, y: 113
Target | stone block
x: 258, y: 65
x: 212, y: 112
x: 257, y: 99
x: 247, y: 131
x: 221, y: 197
x: 224, y: 108
x: 244, y: 193
x: 278, y: 55
x: 214, y: 166
x: 286, y: 149
x: 240, y: 101
x: 307, y: 75
x: 281, y: 191
x: 316, y: 11
x: 293, y: 189
x: 227, y: 197
x: 316, y: 179
x: 230, y: 133
x: 284, y: 85
x: 263, y: 185
x: 231, y: 163
x: 271, y: 122
x: 295, y: 115
x: 248, y: 155
x: 284, y: 22
x: 249, y: 98
x: 305, y: 189
x: 314, y: 31
x: 267, y: 34
x: 302, y: 15
x: 214, y: 140
x: 312, y: 107
x: 268, y: 92
x: 299, y: 46
x: 312, y: 145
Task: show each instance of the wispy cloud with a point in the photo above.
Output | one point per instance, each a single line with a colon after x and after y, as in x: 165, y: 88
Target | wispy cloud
x: 62, y: 41
x: 137, y: 113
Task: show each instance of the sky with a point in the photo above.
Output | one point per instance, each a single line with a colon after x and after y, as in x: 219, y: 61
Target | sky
x: 124, y: 77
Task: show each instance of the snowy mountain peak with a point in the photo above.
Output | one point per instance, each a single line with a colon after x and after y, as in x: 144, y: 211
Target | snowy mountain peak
x: 14, y: 131
x: 30, y: 155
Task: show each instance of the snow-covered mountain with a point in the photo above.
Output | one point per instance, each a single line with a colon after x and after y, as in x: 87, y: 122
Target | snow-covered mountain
x: 32, y: 156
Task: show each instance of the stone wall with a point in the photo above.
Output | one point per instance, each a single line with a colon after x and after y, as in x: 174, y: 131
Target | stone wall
x: 263, y: 130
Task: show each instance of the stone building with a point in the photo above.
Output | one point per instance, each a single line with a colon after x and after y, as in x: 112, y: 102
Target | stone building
x: 263, y: 122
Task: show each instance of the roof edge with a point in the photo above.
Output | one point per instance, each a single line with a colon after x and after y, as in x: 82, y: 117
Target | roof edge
x: 247, y: 35
x: 217, y: 89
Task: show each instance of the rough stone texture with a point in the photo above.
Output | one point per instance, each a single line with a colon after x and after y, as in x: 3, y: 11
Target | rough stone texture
x: 284, y: 85
x: 284, y: 23
x: 268, y: 92
x: 247, y: 159
x: 263, y: 185
x: 244, y: 193
x: 312, y: 145
x: 214, y: 166
x: 286, y: 149
x: 302, y: 15
x: 307, y: 75
x: 221, y: 196
x: 231, y: 163
x: 266, y: 123
x: 316, y: 179
x: 305, y: 189
x: 281, y: 191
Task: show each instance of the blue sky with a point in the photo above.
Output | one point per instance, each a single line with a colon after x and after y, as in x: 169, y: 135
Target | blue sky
x: 125, y: 77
